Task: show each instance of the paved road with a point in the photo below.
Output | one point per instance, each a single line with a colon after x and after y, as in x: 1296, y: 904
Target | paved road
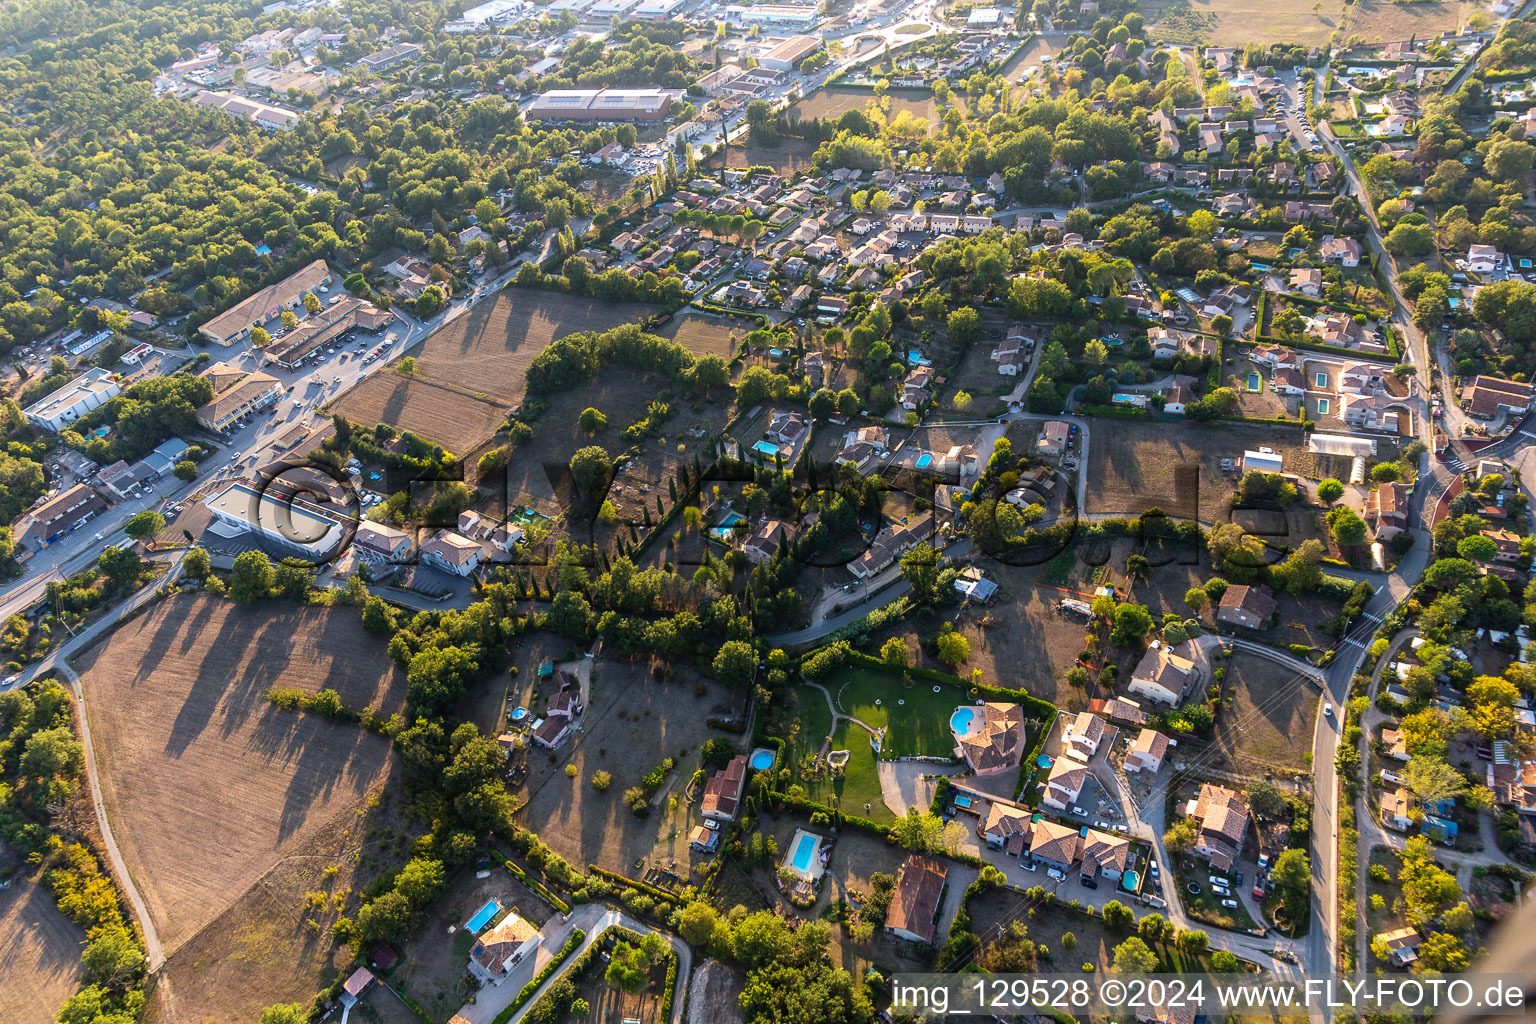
x: 57, y: 662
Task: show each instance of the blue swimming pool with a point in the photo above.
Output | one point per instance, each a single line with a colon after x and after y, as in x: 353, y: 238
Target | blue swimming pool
x: 1255, y: 382
x: 924, y: 460
x: 483, y: 916
x: 1130, y: 881
x: 960, y: 721
x: 1044, y: 761
x: 1112, y: 342
x: 518, y: 714
x: 1123, y: 398
x: 765, y: 448
x: 805, y: 849
x: 762, y: 760
x: 963, y: 801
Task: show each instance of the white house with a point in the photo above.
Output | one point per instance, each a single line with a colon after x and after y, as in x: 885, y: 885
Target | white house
x: 501, y: 948
x: 1082, y: 735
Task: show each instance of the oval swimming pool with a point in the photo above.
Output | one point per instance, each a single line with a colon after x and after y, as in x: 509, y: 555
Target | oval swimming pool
x: 762, y: 760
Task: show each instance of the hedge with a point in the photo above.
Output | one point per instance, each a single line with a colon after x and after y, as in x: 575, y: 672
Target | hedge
x: 533, y: 883
x: 577, y: 938
x: 940, y: 795
x: 667, y: 998
x: 645, y: 887
x: 1128, y: 412
x: 1393, y: 353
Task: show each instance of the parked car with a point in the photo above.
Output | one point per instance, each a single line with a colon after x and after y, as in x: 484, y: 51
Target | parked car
x: 1089, y: 883
x: 1229, y: 904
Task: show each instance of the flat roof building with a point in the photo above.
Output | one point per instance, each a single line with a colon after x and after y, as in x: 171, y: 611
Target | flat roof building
x: 601, y: 105
x: 265, y: 115
x: 788, y: 54
x: 390, y: 56
x: 91, y: 390
x: 278, y: 516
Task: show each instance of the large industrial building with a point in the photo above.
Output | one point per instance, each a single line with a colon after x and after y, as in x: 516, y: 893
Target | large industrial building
x: 788, y: 54
x: 601, y: 105
x: 91, y: 390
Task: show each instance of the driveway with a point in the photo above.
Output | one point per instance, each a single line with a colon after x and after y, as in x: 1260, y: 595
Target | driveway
x: 902, y: 784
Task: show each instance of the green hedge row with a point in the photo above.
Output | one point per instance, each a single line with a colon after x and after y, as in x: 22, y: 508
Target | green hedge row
x: 533, y: 883
x: 645, y: 887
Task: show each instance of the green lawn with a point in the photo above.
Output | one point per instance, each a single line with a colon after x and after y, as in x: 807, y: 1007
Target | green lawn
x: 860, y: 782
x: 916, y: 719
x: 808, y: 723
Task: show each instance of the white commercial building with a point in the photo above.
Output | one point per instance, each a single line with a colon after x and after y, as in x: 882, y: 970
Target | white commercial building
x: 278, y: 516
x: 91, y: 390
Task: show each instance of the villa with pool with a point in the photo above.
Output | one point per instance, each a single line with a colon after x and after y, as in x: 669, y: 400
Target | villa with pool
x: 989, y: 736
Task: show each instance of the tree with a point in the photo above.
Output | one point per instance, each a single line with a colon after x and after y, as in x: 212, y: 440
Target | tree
x: 1292, y: 874
x: 1348, y: 528
x: 920, y: 568
x: 1132, y: 622
x: 1432, y: 780
x: 697, y: 923
x: 120, y: 564
x: 113, y: 959
x: 1329, y: 490
x: 1302, y: 570
x: 735, y: 663
x: 592, y: 420
x: 1197, y: 599
x: 1133, y: 957
x: 1224, y: 962
x: 1192, y: 942
x: 629, y: 966
x: 285, y: 1013
x: 1154, y: 928
x: 251, y: 577
x: 259, y: 337
x: 964, y: 326
x: 952, y: 648
x: 1443, y: 952
x: 962, y: 401
x: 1477, y: 548
x: 197, y: 564
x: 1118, y: 916
x: 1181, y: 837
x: 590, y: 467
x: 921, y: 831
x: 894, y: 653
x: 378, y: 617
x: 1386, y: 472
x: 1427, y: 889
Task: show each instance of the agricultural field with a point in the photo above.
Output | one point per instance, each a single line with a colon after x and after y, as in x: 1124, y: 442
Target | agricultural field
x: 458, y: 421
x: 704, y: 335
x: 1237, y: 22
x: 1174, y: 465
x: 471, y: 373
x: 188, y: 747
x: 633, y: 721
x: 1382, y: 21
x: 787, y: 156
x: 1267, y: 726
x: 833, y: 101
x: 39, y: 951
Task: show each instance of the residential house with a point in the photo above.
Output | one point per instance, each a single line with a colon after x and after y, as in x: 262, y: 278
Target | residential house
x: 451, y: 552
x: 1403, y: 945
x: 764, y: 542
x: 1119, y: 711
x: 1398, y: 808
x: 996, y: 743
x: 914, y: 909
x: 1307, y: 281
x: 1065, y: 784
x: 497, y: 950
x: 1386, y: 511
x: 1248, y: 605
x: 67, y: 511
x: 1053, y: 438
x: 1054, y: 844
x: 786, y: 428
x: 377, y: 543
x: 1484, y: 259
x: 1147, y: 752
x: 1081, y: 736
x: 1007, y: 828
x: 1507, y: 544
x: 890, y: 544
x: 1346, y: 252
x: 722, y: 793
x: 1106, y: 854
x: 1274, y: 357
x: 1488, y: 397
x: 1163, y: 676
x: 1221, y: 817
x: 1396, y: 744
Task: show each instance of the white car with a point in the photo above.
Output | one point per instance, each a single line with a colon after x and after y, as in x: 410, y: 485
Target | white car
x: 1328, y: 710
x: 1229, y: 904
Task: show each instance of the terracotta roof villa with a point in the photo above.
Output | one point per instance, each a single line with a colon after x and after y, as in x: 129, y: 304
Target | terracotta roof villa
x: 991, y: 736
x: 915, y: 904
x: 1222, y: 817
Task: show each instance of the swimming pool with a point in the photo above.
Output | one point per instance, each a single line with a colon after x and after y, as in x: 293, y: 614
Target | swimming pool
x: 777, y: 353
x: 963, y: 801
x: 765, y: 448
x: 924, y: 460
x: 1130, y: 881
x: 1255, y: 382
x: 518, y: 714
x: 1113, y: 341
x: 723, y: 534
x: 960, y: 721
x: 1044, y: 761
x: 483, y: 916
x: 762, y: 760
x: 805, y: 849
x: 1124, y: 399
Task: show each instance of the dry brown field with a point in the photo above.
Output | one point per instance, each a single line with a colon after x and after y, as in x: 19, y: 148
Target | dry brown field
x: 489, y: 348
x: 1174, y: 465
x: 39, y: 953
x: 703, y: 335
x: 210, y: 786
x: 1236, y: 22
x: 1385, y: 22
x: 632, y: 723
x: 1267, y: 726
x: 790, y: 156
x: 458, y: 421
